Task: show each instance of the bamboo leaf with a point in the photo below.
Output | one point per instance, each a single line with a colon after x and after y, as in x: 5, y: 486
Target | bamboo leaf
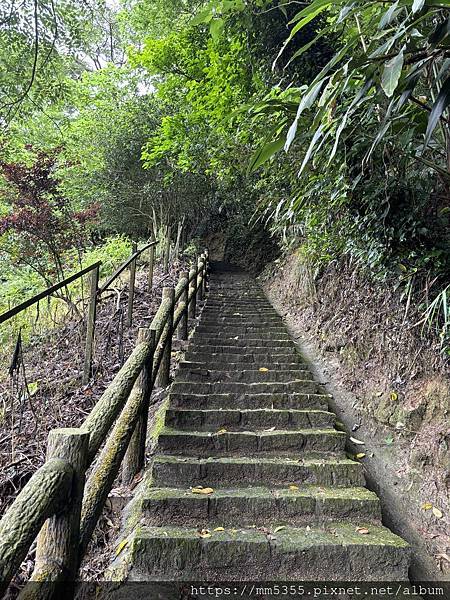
x: 417, y: 5
x: 441, y: 103
x: 263, y: 154
x: 391, y: 74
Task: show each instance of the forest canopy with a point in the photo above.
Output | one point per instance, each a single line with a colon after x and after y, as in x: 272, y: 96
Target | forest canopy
x: 322, y: 126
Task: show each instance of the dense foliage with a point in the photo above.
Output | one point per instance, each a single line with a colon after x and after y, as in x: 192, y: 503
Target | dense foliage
x: 322, y: 125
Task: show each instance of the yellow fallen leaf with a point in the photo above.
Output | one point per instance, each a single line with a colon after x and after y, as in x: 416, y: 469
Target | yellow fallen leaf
x: 357, y: 442
x: 362, y: 530
x: 360, y: 455
x: 221, y: 431
x: 219, y: 529
x: 205, y: 491
x: 263, y: 370
x: 277, y: 529
x: 204, y: 533
x: 393, y: 396
x: 121, y: 546
x: 294, y: 487
x: 427, y: 506
x: 437, y: 513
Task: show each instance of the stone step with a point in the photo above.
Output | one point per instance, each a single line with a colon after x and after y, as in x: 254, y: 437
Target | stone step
x: 230, y: 331
x: 291, y: 355
x: 261, y: 506
x: 170, y: 470
x: 240, y: 366
x: 247, y: 419
x: 228, y: 387
x: 229, y: 339
x: 280, y: 442
x: 250, y: 320
x: 243, y: 342
x: 336, y: 552
x: 280, y: 401
x: 249, y: 353
x: 243, y: 375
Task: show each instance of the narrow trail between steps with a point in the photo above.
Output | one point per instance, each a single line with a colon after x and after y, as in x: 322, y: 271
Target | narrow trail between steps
x: 247, y: 420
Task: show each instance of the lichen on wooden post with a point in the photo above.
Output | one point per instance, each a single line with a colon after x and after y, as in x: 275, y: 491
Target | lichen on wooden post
x: 135, y: 456
x: 45, y: 493
x: 163, y: 377
x: 200, y: 277
x: 131, y: 288
x: 57, y: 542
x: 166, y: 258
x: 193, y: 288
x: 151, y: 266
x: 183, y: 326
x: 90, y: 328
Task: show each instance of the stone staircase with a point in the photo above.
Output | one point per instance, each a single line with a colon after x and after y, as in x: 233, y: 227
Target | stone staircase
x: 247, y: 420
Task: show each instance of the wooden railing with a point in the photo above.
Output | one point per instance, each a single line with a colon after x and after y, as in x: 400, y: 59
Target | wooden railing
x: 94, y: 296
x: 57, y: 505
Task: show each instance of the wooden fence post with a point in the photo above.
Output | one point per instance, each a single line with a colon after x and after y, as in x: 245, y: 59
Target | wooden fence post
x: 134, y: 459
x: 205, y: 278
x: 90, y: 330
x: 164, y: 368
x: 131, y: 288
x: 193, y: 302
x: 57, y: 543
x: 201, y: 274
x: 167, y: 251
x: 183, y: 326
x: 151, y: 266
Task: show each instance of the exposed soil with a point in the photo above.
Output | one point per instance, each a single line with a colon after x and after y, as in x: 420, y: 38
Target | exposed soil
x: 391, y: 390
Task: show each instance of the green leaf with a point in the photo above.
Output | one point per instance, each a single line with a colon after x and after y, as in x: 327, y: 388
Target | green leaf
x: 441, y: 103
x: 263, y: 154
x: 388, y: 16
x: 215, y: 28
x: 391, y: 74
x: 440, y: 33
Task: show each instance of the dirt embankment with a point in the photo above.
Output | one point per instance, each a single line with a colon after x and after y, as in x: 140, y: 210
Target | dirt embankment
x: 391, y: 389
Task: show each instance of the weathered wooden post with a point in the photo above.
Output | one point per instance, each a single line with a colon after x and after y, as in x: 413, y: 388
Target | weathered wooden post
x: 200, y: 278
x: 151, y: 266
x: 183, y: 326
x: 167, y: 251
x: 205, y: 278
x: 192, y: 290
x: 90, y: 330
x: 164, y: 368
x: 131, y: 287
x: 134, y: 459
x: 57, y: 543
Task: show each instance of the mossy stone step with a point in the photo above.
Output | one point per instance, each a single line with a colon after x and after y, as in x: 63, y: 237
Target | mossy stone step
x: 242, y: 471
x: 292, y: 553
x: 240, y: 366
x: 243, y: 342
x: 236, y: 420
x: 229, y: 339
x: 281, y: 401
x: 299, y: 385
x: 244, y: 355
x: 279, y: 442
x: 261, y: 506
x: 228, y: 330
x: 244, y: 375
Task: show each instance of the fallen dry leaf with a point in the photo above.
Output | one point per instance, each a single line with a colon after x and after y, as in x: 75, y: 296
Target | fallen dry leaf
x: 280, y: 528
x: 204, y: 533
x: 360, y: 455
x: 263, y: 370
x: 294, y: 487
x: 427, y: 506
x: 437, y: 513
x: 357, y: 442
x: 362, y: 530
x: 219, y: 529
x: 121, y: 546
x: 201, y: 490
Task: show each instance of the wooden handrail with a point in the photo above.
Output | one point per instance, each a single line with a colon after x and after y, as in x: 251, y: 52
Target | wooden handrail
x: 48, y: 292
x: 123, y: 266
x: 59, y: 483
